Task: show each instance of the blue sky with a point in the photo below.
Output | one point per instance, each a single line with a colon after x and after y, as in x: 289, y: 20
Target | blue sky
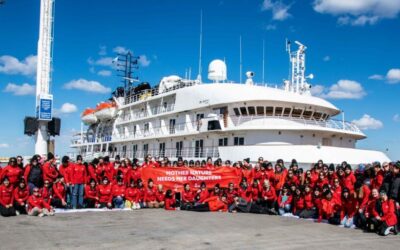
x: 352, y: 51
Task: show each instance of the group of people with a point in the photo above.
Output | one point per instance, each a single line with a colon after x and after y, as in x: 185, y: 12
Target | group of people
x: 367, y: 197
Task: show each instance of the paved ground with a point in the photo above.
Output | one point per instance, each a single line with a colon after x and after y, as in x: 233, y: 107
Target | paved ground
x: 159, y: 229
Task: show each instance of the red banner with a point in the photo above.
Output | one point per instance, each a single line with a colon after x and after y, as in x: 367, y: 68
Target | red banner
x: 174, y: 178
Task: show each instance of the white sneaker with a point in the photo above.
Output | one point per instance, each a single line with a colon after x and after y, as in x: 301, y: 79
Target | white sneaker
x: 41, y: 215
x: 17, y: 213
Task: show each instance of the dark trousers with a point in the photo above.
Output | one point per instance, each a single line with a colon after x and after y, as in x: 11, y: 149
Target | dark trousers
x: 186, y: 205
x: 335, y: 219
x: 308, y: 213
x: 57, y: 203
x: 200, y: 208
x: 19, y: 208
x: 90, y: 203
x: 7, y: 212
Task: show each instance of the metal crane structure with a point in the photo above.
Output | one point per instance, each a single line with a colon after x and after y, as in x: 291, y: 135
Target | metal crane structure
x: 44, y: 99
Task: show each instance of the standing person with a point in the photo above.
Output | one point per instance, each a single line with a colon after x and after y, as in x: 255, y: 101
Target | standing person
x: 34, y: 174
x: 109, y: 170
x: 91, y: 194
x: 6, y: 198
x: 65, y: 171
x: 349, y: 179
x: 118, y: 194
x: 105, y: 194
x: 37, y: 206
x: 91, y: 170
x: 20, y: 162
x: 50, y: 172
x: 78, y: 179
x: 20, y: 196
x: 12, y: 171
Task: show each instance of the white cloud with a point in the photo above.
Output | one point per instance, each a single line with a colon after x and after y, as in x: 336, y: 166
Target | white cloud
x: 12, y: 66
x: 280, y: 11
x: 393, y: 76
x: 358, y: 12
x: 68, y: 108
x: 396, y: 118
x: 4, y: 145
x: 104, y: 73
x: 120, y: 50
x: 343, y: 89
x: 270, y: 27
x: 143, y: 61
x: 326, y: 58
x: 368, y: 122
x: 24, y: 89
x: 88, y: 86
x: 376, y: 77
x: 102, y: 51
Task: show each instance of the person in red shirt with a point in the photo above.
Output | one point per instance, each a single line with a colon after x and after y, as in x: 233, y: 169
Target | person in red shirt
x: 123, y: 170
x: 13, y: 172
x: 170, y: 201
x: 150, y: 195
x: 291, y: 179
x: 100, y: 170
x: 59, y: 193
x: 160, y: 196
x: 133, y: 174
x: 131, y: 196
x: 37, y: 206
x: 202, y: 193
x: 331, y: 175
x: 297, y: 201
x: 141, y: 194
x: 50, y: 172
x: 46, y: 192
x: 20, y: 196
x: 91, y: 171
x: 78, y: 179
x: 231, y: 194
x: 366, y: 220
x: 213, y: 204
x: 317, y: 200
x: 308, y: 180
x: 6, y: 199
x: 349, y: 179
x: 244, y: 192
x: 91, y: 195
x: 105, y: 194
x: 284, y: 200
x: 216, y: 191
x: 268, y: 197
x: 348, y: 209
x: 279, y: 177
x: 377, y: 176
x: 65, y: 170
x: 361, y: 194
x: 337, y: 190
x: 386, y: 219
x: 118, y: 194
x: 330, y: 209
x: 109, y: 170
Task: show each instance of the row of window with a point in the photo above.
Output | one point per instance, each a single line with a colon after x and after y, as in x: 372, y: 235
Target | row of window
x: 280, y: 111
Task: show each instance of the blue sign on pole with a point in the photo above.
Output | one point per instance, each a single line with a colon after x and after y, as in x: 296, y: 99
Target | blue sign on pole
x: 45, y: 108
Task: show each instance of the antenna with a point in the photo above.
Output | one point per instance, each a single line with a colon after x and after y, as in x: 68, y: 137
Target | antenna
x: 263, y: 62
x: 240, y: 58
x: 201, y: 42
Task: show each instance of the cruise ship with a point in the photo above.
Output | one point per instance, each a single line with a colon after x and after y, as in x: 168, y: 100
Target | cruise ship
x: 223, y: 119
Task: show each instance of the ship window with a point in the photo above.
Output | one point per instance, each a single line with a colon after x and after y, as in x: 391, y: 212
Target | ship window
x: 161, y: 152
x: 286, y: 112
x: 269, y: 110
x: 134, y: 150
x: 297, y: 112
x: 323, y: 116
x: 243, y: 110
x: 236, y: 111
x: 223, y: 142
x: 278, y: 111
x: 327, y: 117
x: 237, y: 141
x: 252, y: 110
x: 317, y: 115
x: 307, y: 114
x: 146, y: 127
x: 260, y: 110
x: 145, y: 149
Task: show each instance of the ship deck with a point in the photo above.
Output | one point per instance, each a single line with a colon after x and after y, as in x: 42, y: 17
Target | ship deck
x: 160, y: 229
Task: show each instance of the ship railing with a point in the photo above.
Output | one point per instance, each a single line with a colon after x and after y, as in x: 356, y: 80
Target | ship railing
x: 171, y: 153
x: 179, y: 128
x: 268, y: 120
x: 128, y: 116
x: 148, y: 93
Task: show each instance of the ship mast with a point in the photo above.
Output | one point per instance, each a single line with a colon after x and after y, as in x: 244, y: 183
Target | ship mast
x: 298, y: 80
x: 44, y: 99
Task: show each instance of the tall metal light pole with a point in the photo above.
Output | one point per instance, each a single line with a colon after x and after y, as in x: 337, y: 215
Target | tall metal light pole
x: 44, y: 99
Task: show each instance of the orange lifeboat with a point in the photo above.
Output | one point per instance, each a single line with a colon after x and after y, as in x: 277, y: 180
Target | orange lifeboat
x: 105, y: 111
x: 88, y: 116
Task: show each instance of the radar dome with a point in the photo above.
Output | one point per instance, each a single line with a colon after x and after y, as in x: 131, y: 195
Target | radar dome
x: 217, y: 70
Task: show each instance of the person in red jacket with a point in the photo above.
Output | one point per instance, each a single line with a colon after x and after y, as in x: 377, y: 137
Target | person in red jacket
x: 202, y: 193
x: 386, y: 219
x: 20, y: 196
x: 213, y: 204
x: 150, y: 195
x: 337, y: 190
x: 65, y: 170
x: 160, y: 196
x: 330, y: 209
x: 50, y: 172
x: 118, y: 193
x: 37, y: 206
x: 364, y: 220
x: 6, y: 199
x: 348, y: 209
x: 361, y: 194
x: 244, y: 192
x: 141, y: 194
x: 292, y: 179
x: 131, y: 196
x: 133, y: 174
x: 268, y: 196
x: 170, y: 201
x: 123, y: 170
x: 322, y: 180
x: 187, y: 197
x: 284, y: 200
x: 349, y: 179
x: 78, y: 179
x: 59, y: 193
x: 310, y: 209
x: 231, y: 194
x: 298, y: 201
x: 91, y: 199
x: 13, y: 172
x: 109, y: 170
x: 105, y: 194
x: 91, y: 171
